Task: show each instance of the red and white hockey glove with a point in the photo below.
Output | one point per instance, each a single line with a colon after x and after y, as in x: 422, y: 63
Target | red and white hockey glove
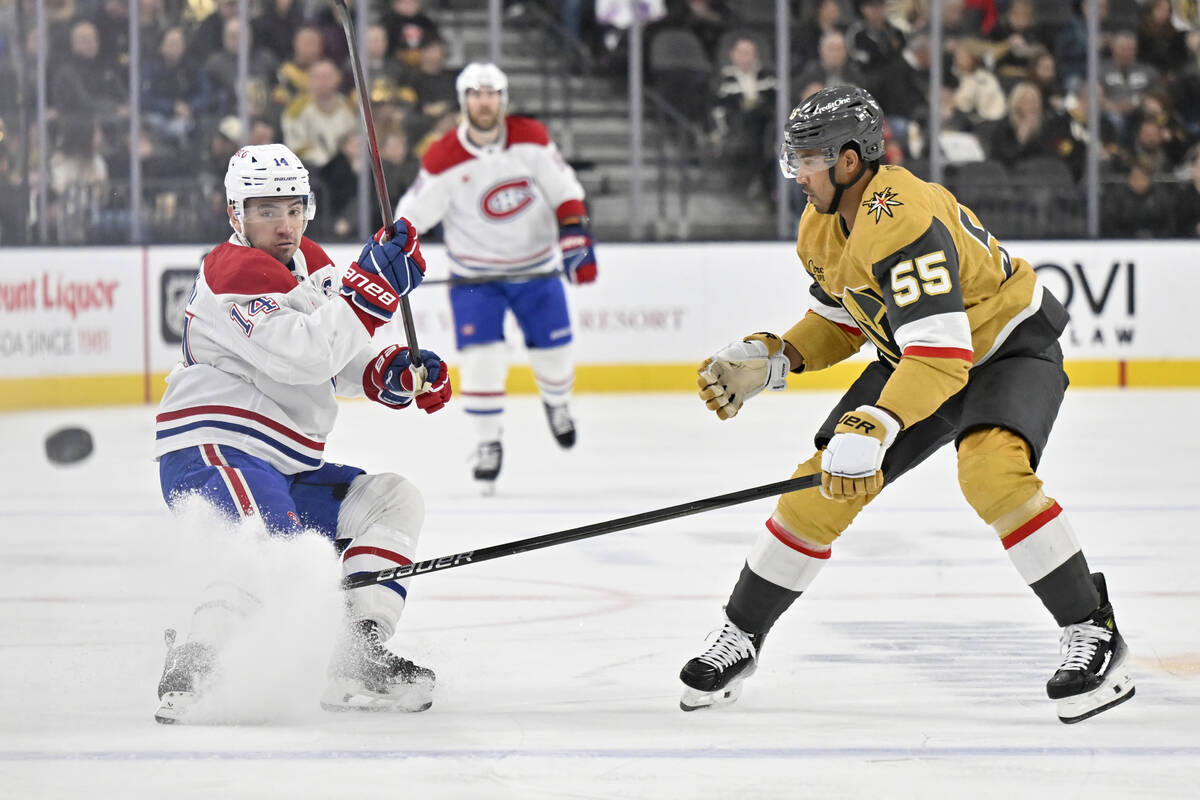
x: 852, y: 463
x: 393, y: 380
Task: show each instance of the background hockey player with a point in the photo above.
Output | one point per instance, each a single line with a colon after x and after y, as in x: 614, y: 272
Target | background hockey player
x: 274, y: 330
x: 968, y: 353
x: 511, y: 208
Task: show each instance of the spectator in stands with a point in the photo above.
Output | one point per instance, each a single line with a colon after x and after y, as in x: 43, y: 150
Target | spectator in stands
x: 275, y: 27
x: 1043, y: 73
x: 83, y: 83
x: 1069, y: 134
x: 1160, y: 43
x: 173, y: 93
x: 833, y: 66
x: 826, y: 17
x: 112, y: 29
x: 434, y: 85
x: 1187, y: 200
x: 1126, y: 80
x: 78, y: 177
x: 339, y: 179
x: 262, y: 132
x: 206, y: 39
x: 1151, y: 147
x: 221, y: 73
x: 1138, y: 208
x: 408, y: 29
x: 708, y: 19
x: 1023, y: 134
x: 153, y: 22
x: 1185, y: 88
x: 743, y: 116
x: 874, y: 43
x: 1016, y: 42
x: 316, y: 122
x: 400, y: 166
x: 390, y: 82
x: 978, y: 95
x: 291, y: 78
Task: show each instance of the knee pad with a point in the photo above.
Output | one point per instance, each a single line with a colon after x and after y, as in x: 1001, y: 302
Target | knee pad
x: 554, y: 371
x: 808, y: 516
x: 381, y: 517
x: 994, y: 473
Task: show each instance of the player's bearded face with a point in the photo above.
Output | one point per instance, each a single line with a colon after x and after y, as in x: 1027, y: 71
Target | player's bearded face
x: 483, y: 108
x: 274, y: 225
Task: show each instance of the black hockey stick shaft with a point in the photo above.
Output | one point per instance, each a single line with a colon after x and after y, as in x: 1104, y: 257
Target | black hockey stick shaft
x: 342, y: 11
x: 583, y: 532
x: 471, y: 280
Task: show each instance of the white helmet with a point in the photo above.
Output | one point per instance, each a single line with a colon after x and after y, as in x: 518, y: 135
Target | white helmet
x: 478, y: 75
x: 266, y: 170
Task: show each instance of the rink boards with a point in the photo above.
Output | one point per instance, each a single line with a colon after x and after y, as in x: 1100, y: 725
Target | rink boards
x: 98, y: 326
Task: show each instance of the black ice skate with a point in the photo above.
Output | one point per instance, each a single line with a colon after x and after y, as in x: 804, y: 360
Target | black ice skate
x: 488, y: 458
x: 561, y: 424
x: 366, y: 676
x: 715, y: 677
x: 1094, y: 675
x: 187, y: 672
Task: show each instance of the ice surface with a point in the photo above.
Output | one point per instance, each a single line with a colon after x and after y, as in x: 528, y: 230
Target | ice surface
x: 914, y: 668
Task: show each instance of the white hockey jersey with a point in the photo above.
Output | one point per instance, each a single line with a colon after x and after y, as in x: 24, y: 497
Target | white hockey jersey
x: 500, y: 205
x: 265, y: 348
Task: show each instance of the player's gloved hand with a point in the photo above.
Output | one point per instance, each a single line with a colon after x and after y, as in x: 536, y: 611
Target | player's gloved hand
x: 386, y: 270
x: 394, y: 380
x: 579, y: 257
x: 738, y: 371
x: 851, y: 465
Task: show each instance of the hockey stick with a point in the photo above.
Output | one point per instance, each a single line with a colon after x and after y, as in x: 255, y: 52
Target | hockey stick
x: 471, y: 280
x: 342, y: 11
x: 583, y: 532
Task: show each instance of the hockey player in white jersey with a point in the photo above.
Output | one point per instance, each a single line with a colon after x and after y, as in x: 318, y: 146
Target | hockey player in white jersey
x: 273, y: 332
x: 511, y: 208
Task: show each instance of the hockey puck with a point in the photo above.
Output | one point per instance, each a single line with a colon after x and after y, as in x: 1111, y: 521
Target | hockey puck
x: 68, y: 445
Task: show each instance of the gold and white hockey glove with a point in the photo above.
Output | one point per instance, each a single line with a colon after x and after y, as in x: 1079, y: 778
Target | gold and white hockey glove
x: 851, y: 465
x: 738, y: 371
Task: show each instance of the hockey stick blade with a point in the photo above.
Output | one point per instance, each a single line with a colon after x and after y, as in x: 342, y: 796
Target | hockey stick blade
x: 583, y: 532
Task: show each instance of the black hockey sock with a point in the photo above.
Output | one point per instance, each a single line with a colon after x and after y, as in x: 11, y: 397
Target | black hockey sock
x: 1068, y: 591
x: 756, y: 603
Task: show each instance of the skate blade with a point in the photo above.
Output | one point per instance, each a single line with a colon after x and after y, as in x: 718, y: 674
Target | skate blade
x: 410, y: 699
x: 1115, y: 690
x: 694, y: 699
x: 174, y: 707
x: 486, y: 488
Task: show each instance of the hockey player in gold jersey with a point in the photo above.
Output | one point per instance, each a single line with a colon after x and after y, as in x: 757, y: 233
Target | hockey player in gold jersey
x: 968, y: 354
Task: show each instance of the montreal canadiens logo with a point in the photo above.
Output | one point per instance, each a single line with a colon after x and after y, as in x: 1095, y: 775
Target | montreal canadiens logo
x: 507, y: 199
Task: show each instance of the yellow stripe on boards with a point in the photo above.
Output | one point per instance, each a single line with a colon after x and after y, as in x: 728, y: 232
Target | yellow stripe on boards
x: 107, y: 390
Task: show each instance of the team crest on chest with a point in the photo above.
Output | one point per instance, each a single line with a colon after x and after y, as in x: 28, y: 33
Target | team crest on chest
x: 507, y: 199
x: 881, y: 203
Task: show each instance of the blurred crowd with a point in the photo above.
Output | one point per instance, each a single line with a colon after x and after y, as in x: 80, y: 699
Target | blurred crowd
x: 300, y: 91
x: 1014, y: 103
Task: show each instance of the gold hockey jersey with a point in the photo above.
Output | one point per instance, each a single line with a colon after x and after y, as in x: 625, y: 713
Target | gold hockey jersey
x: 921, y: 279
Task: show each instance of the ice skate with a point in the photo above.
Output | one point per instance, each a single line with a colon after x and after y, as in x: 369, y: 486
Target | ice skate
x: 714, y: 678
x: 366, y: 676
x: 488, y: 458
x: 1094, y: 675
x: 187, y: 672
x: 561, y: 424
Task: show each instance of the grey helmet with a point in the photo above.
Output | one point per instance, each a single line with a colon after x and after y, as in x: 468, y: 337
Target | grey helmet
x: 832, y: 117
